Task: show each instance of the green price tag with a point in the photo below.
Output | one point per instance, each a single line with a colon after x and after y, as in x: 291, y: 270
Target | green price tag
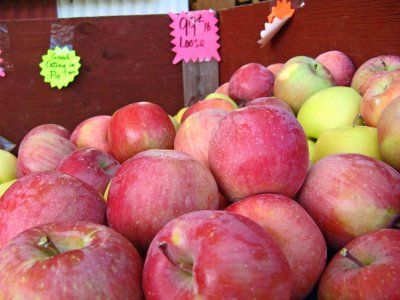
x: 59, y: 67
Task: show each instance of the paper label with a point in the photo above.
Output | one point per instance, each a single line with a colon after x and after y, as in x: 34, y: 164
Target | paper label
x: 2, y: 74
x: 195, y: 36
x: 60, y: 66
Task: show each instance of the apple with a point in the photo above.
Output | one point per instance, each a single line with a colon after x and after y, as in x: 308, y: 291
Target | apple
x: 349, y: 195
x: 179, y: 114
x: 137, y: 127
x: 221, y: 96
x: 51, y: 128
x: 328, y: 109
x: 45, y: 197
x: 367, y: 268
x: 5, y: 186
x: 271, y: 101
x: 311, y: 150
x: 295, y: 232
x: 348, y: 139
x: 208, y: 104
x: 154, y: 187
x: 275, y: 68
x: 258, y: 149
x: 373, y: 68
x: 223, y: 89
x: 92, y: 132
x: 174, y: 121
x: 339, y: 65
x: 389, y: 134
x: 299, y: 79
x: 381, y: 91
x: 90, y: 165
x: 70, y: 261
x: 194, y: 135
x: 8, y: 165
x: 250, y: 82
x: 215, y: 255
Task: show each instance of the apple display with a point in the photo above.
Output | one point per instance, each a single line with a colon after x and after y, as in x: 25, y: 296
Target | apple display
x: 8, y: 166
x: 299, y: 79
x: 349, y: 195
x: 72, y: 260
x: 137, y: 127
x: 275, y: 68
x: 339, y: 65
x: 45, y: 197
x: 215, y: 255
x: 295, y: 232
x: 329, y: 108
x: 154, y: 187
x: 271, y: 101
x: 214, y: 103
x: 258, y: 149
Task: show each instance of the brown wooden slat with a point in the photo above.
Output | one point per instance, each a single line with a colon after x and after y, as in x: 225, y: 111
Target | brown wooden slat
x: 32, y: 9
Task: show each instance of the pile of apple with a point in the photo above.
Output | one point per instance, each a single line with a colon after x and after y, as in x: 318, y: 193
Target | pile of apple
x: 282, y: 183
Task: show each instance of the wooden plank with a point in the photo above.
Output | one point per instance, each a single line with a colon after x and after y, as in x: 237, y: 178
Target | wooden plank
x: 360, y: 29
x: 33, y: 9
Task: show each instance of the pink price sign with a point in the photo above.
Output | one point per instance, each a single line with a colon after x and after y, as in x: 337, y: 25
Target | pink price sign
x: 195, y: 36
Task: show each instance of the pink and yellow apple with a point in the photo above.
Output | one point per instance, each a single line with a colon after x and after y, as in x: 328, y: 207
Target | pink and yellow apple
x: 214, y: 103
x: 275, y: 68
x: 339, y: 65
x: 271, y: 101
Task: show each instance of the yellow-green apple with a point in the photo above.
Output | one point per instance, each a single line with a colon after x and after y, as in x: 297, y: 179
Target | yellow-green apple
x: 215, y: 255
x: 275, y: 68
x: 389, y: 134
x: 258, y: 149
x: 221, y: 96
x: 329, y: 108
x: 381, y: 91
x: 70, y: 260
x: 299, y: 79
x: 137, y: 127
x: 271, y: 101
x: 8, y: 166
x: 295, y: 232
x: 373, y: 68
x: 5, y: 186
x: 174, y: 121
x: 90, y: 165
x: 154, y: 187
x: 92, y: 132
x: 194, y: 135
x: 348, y: 139
x: 223, y: 89
x: 250, y: 82
x: 45, y: 197
x: 366, y: 268
x: 311, y: 150
x: 339, y: 65
x: 214, y: 103
x: 349, y: 195
x: 179, y: 114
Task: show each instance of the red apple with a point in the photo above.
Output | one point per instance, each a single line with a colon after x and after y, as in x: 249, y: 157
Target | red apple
x: 271, y: 101
x: 250, y: 82
x: 367, y: 268
x: 137, y: 127
x: 194, y: 135
x: 45, y: 197
x: 258, y: 149
x: 215, y: 255
x: 92, y: 132
x: 339, y: 65
x: 52, y: 128
x: 295, y: 232
x: 275, y: 68
x: 349, y: 195
x: 70, y: 261
x: 373, y: 68
x: 216, y: 103
x: 90, y: 165
x: 154, y: 187
x: 389, y: 134
x: 223, y: 89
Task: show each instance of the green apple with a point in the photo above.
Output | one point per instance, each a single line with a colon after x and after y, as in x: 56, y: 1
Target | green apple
x: 8, y: 163
x: 221, y: 96
x: 174, y: 121
x: 311, y: 148
x: 5, y: 185
x: 178, y: 116
x: 348, y: 139
x: 105, y: 196
x: 328, y: 109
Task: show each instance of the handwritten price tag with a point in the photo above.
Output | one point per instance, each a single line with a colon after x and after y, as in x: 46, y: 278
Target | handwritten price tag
x: 59, y: 67
x: 195, y: 36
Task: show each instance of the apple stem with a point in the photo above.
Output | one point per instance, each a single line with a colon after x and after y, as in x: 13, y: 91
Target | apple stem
x: 345, y: 253
x: 48, y: 245
x: 163, y: 246
x: 357, y: 118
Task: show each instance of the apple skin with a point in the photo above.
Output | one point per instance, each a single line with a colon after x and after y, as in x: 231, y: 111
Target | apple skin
x: 221, y: 96
x: 381, y: 91
x: 215, y: 103
x: 299, y: 79
x: 348, y: 139
x: 339, y: 65
x: 51, y: 128
x: 349, y: 195
x: 311, y: 150
x: 258, y: 149
x: 8, y: 163
x: 93, y: 133
x: 5, y: 186
x: 90, y: 165
x: 194, y: 135
x: 179, y: 114
x: 223, y: 89
x: 137, y: 127
x: 271, y: 101
x: 373, y: 68
x: 92, y: 262
x: 228, y: 256
x: 45, y: 197
x: 250, y: 82
x: 154, y: 187
x: 295, y: 232
x: 275, y: 68
x: 378, y: 278
x: 389, y: 134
